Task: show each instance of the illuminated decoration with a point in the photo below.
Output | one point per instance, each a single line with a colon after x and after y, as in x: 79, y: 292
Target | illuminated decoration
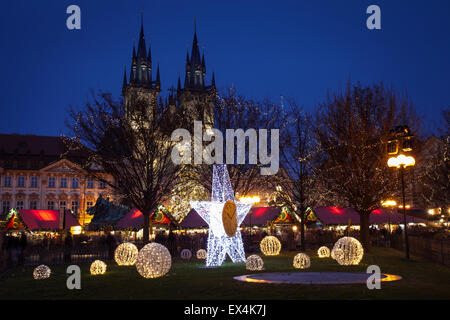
x: 302, y: 261
x: 348, y: 251
x: 126, y: 254
x: 401, y: 161
x: 389, y: 203
x: 98, y: 267
x: 201, y: 254
x: 270, y: 246
x: 153, y: 261
x: 254, y: 262
x: 75, y: 230
x: 41, y: 272
x: 250, y: 200
x: 219, y: 243
x: 284, y: 217
x: 186, y: 254
x: 323, y: 252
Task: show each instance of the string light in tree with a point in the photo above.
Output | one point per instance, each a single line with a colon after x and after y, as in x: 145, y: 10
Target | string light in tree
x: 302, y: 261
x: 41, y: 272
x: 254, y: 262
x: 201, y: 254
x: 153, y: 261
x: 223, y: 207
x: 126, y: 254
x: 270, y: 246
x: 186, y: 254
x: 323, y: 252
x: 348, y: 251
x: 98, y: 267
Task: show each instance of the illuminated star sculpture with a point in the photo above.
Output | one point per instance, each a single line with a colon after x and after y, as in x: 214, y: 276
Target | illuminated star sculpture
x: 219, y: 243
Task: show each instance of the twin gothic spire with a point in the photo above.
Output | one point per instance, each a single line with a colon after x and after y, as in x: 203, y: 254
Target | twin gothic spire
x: 141, y: 68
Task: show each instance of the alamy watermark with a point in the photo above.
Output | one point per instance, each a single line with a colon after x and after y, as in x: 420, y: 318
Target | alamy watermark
x: 213, y: 152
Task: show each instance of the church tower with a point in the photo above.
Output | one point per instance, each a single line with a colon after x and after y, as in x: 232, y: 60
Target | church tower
x: 196, y: 98
x: 140, y: 82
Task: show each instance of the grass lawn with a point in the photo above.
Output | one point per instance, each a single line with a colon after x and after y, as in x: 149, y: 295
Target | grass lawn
x: 189, y: 280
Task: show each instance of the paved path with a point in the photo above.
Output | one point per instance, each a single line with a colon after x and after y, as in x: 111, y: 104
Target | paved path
x: 313, y: 277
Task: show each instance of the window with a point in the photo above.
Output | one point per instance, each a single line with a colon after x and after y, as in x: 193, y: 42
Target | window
x: 63, y: 183
x: 51, y: 182
x: 74, y: 183
x: 62, y: 205
x: 7, y: 181
x: 33, y: 205
x: 5, y: 207
x: 34, y: 182
x: 51, y: 205
x: 21, y: 181
x: 75, y: 207
x: 102, y: 185
x: 19, y: 204
x: 90, y: 183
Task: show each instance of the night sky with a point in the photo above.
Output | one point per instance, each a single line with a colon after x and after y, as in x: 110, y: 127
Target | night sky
x: 295, y: 49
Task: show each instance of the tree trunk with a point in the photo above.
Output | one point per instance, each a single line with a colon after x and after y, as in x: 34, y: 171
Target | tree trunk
x: 364, y: 233
x: 146, y: 228
x: 302, y: 234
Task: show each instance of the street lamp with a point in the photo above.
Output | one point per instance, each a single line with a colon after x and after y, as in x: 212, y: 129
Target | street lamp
x: 390, y: 204
x: 400, y: 142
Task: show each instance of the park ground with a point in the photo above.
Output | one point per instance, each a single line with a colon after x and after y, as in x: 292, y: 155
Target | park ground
x: 191, y: 280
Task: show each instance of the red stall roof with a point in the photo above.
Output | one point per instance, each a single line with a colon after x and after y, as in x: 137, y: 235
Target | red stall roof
x: 340, y: 216
x: 135, y: 219
x: 43, y: 219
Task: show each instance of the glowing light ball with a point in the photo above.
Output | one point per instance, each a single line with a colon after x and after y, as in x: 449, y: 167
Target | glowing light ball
x: 270, y: 246
x: 98, y: 267
x: 302, y: 261
x: 186, y: 254
x: 126, y: 254
x: 254, y: 262
x: 323, y: 252
x: 348, y: 251
x: 201, y: 254
x: 153, y: 261
x: 41, y: 272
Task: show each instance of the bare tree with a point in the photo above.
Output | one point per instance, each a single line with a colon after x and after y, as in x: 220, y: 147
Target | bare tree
x: 295, y: 184
x: 132, y: 143
x: 352, y: 129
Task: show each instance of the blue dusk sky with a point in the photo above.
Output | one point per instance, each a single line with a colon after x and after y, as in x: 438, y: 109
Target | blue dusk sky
x: 298, y: 49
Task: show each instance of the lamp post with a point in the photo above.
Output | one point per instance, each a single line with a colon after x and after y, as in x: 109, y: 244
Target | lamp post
x: 400, y: 142
x: 401, y: 162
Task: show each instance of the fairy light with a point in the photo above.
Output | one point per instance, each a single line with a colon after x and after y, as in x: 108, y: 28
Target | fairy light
x: 254, y: 262
x: 201, y: 254
x: 41, y: 272
x: 219, y: 243
x: 348, y: 251
x: 323, y: 252
x: 186, y: 254
x: 153, y: 261
x: 302, y: 261
x: 126, y: 254
x: 98, y: 267
x: 270, y: 246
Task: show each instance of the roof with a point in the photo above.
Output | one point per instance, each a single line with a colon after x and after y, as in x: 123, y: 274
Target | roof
x: 193, y: 220
x: 341, y: 216
x: 135, y: 219
x: 43, y: 220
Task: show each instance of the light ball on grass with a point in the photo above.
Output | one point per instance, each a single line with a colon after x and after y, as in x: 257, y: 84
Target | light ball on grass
x: 126, y: 254
x: 98, y: 267
x: 153, y: 261
x: 270, y: 246
x: 41, y: 272
x: 302, y: 261
x: 323, y: 252
x: 348, y: 251
x: 254, y: 262
x: 201, y: 254
x: 186, y: 254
